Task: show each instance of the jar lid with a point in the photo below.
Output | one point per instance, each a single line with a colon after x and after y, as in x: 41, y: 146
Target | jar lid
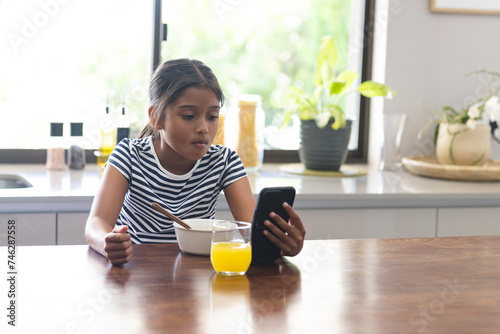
x: 247, y: 103
x: 249, y: 100
x: 76, y: 129
x: 56, y: 129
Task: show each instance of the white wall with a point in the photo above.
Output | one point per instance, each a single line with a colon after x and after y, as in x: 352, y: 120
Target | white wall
x: 427, y: 55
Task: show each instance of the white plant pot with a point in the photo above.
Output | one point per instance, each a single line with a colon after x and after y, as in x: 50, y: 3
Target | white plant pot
x: 458, y: 144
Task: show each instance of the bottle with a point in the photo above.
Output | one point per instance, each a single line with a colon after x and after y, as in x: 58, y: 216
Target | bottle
x: 55, y: 151
x: 123, y: 126
x: 220, y: 136
x: 108, y: 137
x: 250, y: 143
x: 76, y: 155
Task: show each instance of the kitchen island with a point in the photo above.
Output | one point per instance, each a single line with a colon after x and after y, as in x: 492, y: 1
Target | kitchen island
x: 421, y: 285
x: 375, y: 205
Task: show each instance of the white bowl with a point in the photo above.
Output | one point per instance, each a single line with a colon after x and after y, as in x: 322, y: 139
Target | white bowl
x: 198, y: 239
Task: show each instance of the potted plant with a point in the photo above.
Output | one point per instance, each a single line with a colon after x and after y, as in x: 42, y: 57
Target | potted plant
x: 463, y: 137
x: 324, y: 129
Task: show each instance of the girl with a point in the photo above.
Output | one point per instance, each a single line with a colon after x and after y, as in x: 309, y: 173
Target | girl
x: 173, y: 163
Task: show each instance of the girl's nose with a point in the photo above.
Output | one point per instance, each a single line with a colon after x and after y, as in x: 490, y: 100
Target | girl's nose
x: 202, y: 126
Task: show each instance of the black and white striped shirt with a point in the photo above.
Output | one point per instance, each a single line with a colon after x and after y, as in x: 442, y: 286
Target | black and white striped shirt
x: 193, y: 195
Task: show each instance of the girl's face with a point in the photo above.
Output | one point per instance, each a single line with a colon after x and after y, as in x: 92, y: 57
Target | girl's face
x: 188, y: 129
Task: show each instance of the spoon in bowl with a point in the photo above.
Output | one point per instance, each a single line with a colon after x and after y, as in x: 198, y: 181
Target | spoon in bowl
x: 161, y: 209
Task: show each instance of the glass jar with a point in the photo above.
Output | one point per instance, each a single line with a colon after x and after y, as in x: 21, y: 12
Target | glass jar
x: 55, y: 153
x: 220, y: 136
x: 76, y: 154
x: 250, y: 138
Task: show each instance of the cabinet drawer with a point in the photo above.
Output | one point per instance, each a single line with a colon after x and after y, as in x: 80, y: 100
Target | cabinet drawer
x: 369, y: 223
x: 468, y: 221
x: 71, y: 228
x: 30, y: 228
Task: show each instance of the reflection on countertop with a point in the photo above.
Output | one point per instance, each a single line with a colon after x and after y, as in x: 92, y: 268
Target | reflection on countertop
x: 69, y: 182
x: 375, y: 189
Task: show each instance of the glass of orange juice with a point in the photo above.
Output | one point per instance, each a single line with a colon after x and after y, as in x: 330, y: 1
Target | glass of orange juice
x: 231, y: 251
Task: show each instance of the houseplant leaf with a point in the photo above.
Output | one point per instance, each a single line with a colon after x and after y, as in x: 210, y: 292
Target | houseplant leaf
x: 338, y: 115
x: 296, y: 100
x: 330, y: 90
x: 327, y: 58
x: 371, y: 89
x: 343, y: 81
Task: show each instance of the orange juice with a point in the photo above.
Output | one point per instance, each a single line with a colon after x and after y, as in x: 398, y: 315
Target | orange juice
x: 231, y: 257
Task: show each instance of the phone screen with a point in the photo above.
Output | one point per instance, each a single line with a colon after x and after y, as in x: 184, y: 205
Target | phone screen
x: 270, y: 199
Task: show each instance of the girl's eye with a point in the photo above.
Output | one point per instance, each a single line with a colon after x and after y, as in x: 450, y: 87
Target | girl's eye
x: 188, y: 117
x: 213, y: 117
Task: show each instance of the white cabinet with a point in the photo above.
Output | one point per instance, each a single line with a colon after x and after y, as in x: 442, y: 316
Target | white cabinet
x: 468, y: 221
x: 30, y: 228
x: 328, y: 223
x: 364, y: 223
x: 45, y: 228
x: 71, y: 228
x: 224, y: 214
x: 369, y: 223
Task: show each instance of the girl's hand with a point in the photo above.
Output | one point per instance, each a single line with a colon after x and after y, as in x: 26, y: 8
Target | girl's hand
x: 118, y: 246
x: 292, y: 239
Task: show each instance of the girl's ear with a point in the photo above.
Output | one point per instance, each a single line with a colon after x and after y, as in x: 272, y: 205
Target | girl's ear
x: 153, y: 118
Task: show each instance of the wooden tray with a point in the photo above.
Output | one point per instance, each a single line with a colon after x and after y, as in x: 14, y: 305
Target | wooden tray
x: 345, y: 171
x: 429, y: 166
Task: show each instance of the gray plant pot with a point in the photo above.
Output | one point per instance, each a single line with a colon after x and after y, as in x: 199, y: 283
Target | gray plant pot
x: 323, y: 149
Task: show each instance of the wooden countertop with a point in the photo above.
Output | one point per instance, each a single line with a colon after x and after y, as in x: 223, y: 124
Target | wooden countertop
x: 422, y: 285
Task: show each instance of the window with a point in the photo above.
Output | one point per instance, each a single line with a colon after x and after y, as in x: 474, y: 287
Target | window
x: 64, y: 61
x: 261, y: 47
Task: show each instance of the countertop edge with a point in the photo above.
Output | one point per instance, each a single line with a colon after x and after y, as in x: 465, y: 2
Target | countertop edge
x: 73, y: 191
x: 302, y: 202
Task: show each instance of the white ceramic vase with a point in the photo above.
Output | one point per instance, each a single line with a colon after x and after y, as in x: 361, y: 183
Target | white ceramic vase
x: 457, y: 144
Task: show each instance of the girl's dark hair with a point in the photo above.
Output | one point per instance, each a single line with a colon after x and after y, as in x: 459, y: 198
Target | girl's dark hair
x: 169, y: 82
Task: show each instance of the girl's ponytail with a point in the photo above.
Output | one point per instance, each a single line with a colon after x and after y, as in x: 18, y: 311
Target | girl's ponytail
x: 148, y: 130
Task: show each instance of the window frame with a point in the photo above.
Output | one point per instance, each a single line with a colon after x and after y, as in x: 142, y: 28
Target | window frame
x: 359, y: 155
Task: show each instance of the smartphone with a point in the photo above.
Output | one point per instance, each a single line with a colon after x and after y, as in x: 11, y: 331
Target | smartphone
x: 270, y: 199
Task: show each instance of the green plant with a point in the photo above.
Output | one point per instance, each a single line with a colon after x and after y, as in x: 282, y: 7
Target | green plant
x: 331, y: 89
x: 483, y: 109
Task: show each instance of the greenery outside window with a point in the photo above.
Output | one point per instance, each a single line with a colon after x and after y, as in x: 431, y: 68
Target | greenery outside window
x: 261, y: 47
x: 65, y: 61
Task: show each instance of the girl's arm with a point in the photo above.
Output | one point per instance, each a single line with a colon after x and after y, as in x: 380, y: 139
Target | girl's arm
x: 100, y: 231
x: 240, y: 199
x: 242, y: 204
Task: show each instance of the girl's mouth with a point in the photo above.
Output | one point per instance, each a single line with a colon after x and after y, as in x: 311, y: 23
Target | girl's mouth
x: 200, y: 144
